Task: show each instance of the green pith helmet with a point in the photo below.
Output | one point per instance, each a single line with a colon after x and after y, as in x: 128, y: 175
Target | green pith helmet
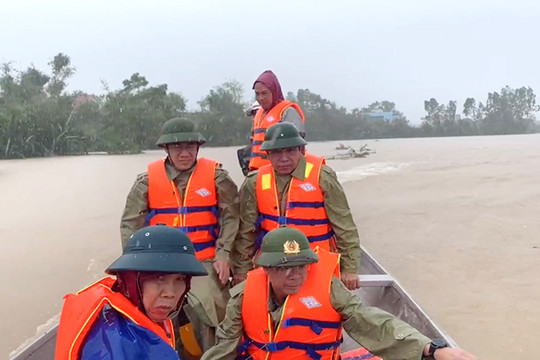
x: 158, y: 248
x: 282, y: 135
x: 179, y: 130
x: 286, y: 246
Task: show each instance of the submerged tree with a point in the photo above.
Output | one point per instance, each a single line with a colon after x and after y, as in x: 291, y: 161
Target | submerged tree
x: 324, y: 119
x: 441, y: 119
x: 133, y: 115
x: 512, y: 111
x: 40, y: 117
x: 35, y: 116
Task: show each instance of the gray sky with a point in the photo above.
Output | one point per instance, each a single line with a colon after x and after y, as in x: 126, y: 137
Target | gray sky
x: 351, y: 52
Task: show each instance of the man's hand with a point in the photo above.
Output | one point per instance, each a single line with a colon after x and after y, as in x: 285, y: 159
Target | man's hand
x: 351, y: 281
x: 223, y: 270
x: 451, y: 354
x: 238, y: 278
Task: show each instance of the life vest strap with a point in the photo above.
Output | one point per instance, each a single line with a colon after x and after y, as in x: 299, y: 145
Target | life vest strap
x: 315, y: 326
x: 259, y: 154
x: 183, y: 210
x: 212, y: 229
x: 259, y: 130
x: 311, y: 349
x: 154, y: 212
x: 204, y: 245
x: 257, y: 142
x: 323, y: 237
x: 302, y: 204
x: 283, y: 220
x: 260, y: 236
x: 194, y: 209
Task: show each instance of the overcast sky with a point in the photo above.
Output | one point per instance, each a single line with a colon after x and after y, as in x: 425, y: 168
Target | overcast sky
x: 351, y: 52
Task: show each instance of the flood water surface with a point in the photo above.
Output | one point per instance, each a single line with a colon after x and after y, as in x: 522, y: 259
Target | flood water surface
x: 455, y: 220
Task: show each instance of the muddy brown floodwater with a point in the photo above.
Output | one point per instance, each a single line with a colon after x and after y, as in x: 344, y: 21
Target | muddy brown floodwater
x: 455, y: 220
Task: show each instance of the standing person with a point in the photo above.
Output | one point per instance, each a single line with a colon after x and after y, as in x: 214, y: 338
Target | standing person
x: 197, y: 196
x: 274, y: 108
x: 128, y: 316
x: 298, y: 190
x: 294, y: 307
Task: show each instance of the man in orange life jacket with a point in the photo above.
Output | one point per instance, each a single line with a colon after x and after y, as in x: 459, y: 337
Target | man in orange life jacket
x: 297, y: 189
x: 273, y: 108
x: 295, y: 307
x: 197, y: 196
x: 128, y: 317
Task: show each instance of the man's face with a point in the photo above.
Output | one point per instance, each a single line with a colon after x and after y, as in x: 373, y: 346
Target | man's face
x: 161, y: 293
x: 284, y: 161
x: 263, y: 95
x: 183, y: 155
x: 287, y: 280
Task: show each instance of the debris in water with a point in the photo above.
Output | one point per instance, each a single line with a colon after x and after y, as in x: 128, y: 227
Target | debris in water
x: 346, y: 152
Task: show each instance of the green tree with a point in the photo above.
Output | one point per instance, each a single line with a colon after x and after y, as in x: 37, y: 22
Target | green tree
x: 222, y: 118
x: 133, y: 115
x: 512, y: 111
x: 87, y: 118
x: 469, y: 108
x: 440, y: 119
x: 432, y: 123
x: 61, y: 71
x: 324, y: 119
x: 35, y: 116
x: 469, y: 125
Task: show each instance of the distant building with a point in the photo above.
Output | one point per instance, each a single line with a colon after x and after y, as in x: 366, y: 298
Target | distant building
x: 386, y: 116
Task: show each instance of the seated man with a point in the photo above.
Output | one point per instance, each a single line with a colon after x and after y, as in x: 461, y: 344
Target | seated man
x: 196, y: 195
x: 128, y: 317
x: 295, y: 307
x: 298, y: 190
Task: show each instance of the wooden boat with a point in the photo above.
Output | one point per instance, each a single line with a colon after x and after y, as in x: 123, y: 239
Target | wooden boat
x: 378, y: 289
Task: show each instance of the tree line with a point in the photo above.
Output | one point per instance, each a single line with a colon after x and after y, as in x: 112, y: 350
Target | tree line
x: 39, y: 117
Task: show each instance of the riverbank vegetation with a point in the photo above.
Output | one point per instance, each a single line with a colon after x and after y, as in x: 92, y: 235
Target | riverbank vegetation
x: 40, y: 117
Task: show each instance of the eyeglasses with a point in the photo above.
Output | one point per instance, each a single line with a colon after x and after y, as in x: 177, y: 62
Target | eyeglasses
x: 158, y: 275
x: 286, y: 151
x: 179, y: 147
x: 286, y: 270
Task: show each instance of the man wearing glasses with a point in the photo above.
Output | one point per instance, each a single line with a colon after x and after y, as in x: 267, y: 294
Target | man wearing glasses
x: 197, y: 196
x: 294, y: 307
x: 297, y: 190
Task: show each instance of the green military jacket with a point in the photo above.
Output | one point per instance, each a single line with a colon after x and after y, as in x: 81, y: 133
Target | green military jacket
x: 136, y: 207
x: 335, y: 204
x: 378, y: 331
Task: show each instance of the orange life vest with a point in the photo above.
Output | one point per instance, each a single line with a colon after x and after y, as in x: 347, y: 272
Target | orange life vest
x: 197, y: 214
x: 309, y: 325
x: 82, y: 309
x: 261, y: 122
x: 304, y: 209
